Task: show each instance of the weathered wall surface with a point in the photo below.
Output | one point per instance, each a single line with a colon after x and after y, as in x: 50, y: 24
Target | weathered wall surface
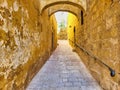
x: 100, y: 36
x: 53, y: 24
x: 25, y: 42
x: 72, y: 27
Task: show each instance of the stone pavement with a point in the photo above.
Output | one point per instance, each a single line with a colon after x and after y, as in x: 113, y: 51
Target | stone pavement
x: 63, y: 71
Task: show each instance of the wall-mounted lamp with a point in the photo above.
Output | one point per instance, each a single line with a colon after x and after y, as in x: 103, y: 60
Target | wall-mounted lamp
x: 70, y: 26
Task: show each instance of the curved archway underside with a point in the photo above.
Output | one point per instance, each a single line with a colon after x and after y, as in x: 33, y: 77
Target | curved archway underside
x: 81, y: 4
x: 65, y: 7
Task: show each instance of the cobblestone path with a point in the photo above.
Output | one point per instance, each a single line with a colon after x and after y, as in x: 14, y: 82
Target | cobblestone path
x: 63, y: 71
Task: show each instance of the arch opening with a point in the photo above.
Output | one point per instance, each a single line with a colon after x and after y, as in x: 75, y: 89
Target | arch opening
x: 76, y: 5
x: 69, y: 11
x: 73, y: 8
x: 65, y: 26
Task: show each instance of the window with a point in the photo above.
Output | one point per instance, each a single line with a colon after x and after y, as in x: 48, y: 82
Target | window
x: 82, y: 19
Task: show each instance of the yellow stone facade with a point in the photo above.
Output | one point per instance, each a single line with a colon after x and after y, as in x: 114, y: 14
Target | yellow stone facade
x: 25, y: 42
x: 99, y: 35
x: 72, y: 26
x: 53, y: 23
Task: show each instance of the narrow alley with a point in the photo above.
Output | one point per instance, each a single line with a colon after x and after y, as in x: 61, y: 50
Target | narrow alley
x: 63, y: 71
x: 31, y: 59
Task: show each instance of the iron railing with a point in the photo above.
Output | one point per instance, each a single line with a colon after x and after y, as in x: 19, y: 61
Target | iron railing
x: 112, y: 71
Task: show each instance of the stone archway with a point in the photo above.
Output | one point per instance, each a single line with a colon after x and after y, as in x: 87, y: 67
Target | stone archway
x: 76, y: 3
x: 65, y: 7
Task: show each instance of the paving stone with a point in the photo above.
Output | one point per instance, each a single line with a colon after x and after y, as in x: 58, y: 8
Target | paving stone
x: 63, y: 71
x: 69, y: 88
x: 68, y: 84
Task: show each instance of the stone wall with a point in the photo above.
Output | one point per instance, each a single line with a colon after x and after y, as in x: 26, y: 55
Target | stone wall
x: 54, y: 32
x: 25, y: 42
x: 72, y: 27
x: 99, y: 35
